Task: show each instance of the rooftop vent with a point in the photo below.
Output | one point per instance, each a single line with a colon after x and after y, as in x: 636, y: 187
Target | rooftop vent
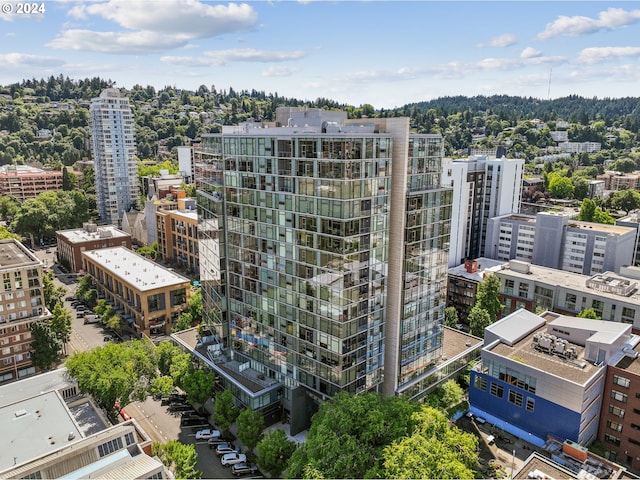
x: 71, y: 436
x: 20, y: 413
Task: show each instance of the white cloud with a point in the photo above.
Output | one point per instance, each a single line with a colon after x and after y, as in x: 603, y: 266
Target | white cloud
x: 18, y: 60
x: 117, y: 42
x: 278, y: 71
x: 602, y: 54
x: 154, y: 27
x: 610, y: 19
x: 500, y: 41
x: 530, y: 52
x: 216, y: 58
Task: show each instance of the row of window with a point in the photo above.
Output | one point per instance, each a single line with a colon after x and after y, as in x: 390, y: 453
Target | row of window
x: 497, y: 390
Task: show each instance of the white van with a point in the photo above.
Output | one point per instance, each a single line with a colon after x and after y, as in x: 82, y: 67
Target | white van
x: 91, y: 319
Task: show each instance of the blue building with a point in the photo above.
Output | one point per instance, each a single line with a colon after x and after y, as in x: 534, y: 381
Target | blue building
x: 544, y: 375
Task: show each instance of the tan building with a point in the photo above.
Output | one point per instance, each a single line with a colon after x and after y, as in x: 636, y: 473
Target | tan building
x: 23, y: 181
x: 71, y: 243
x: 21, y: 304
x: 177, y: 235
x: 619, y: 181
x: 145, y: 294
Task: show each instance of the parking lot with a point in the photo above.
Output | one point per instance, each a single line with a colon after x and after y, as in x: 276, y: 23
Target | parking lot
x: 163, y: 425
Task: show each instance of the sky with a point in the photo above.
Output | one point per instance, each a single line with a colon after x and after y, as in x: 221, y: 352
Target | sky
x: 386, y: 54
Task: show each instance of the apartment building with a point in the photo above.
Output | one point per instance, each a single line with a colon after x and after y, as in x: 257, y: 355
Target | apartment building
x: 553, y: 240
x: 146, y: 295
x: 112, y: 136
x: 24, y: 181
x: 71, y: 243
x: 614, y: 297
x: 619, y: 429
x: 483, y: 187
x: 21, y: 304
x: 620, y: 181
x: 545, y: 375
x: 580, y: 147
x: 333, y: 263
x: 632, y: 221
x: 462, y: 283
x: 177, y: 235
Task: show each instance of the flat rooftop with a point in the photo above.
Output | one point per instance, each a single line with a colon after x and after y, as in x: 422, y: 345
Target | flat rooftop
x: 568, y: 280
x: 601, y: 227
x: 80, y: 235
x: 33, y: 427
x: 14, y: 254
x: 484, y: 265
x: 138, y: 271
x: 576, y: 370
x: 187, y: 214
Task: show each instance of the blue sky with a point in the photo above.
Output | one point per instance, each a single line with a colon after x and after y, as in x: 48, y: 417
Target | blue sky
x: 386, y: 54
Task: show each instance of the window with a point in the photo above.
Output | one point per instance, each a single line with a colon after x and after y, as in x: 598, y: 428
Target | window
x: 617, y: 411
x: 531, y: 404
x: 523, y: 290
x: 110, y: 446
x: 480, y: 383
x: 623, y: 382
x: 178, y: 297
x: 570, y: 301
x: 497, y: 390
x: 612, y: 439
x: 619, y: 396
x: 515, y: 398
x: 156, y: 302
x: 614, y: 425
x: 634, y: 441
x: 129, y: 438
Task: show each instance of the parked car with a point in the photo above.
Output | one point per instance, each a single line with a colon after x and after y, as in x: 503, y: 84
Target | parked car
x: 69, y: 299
x: 233, y: 458
x: 216, y: 441
x: 190, y: 420
x: 243, y: 468
x: 90, y: 318
x: 177, y: 397
x: 207, y: 433
x: 226, y: 447
x: 107, y: 338
x: 180, y: 407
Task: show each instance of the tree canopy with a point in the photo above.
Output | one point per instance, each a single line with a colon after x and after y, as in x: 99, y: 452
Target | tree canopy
x: 488, y: 296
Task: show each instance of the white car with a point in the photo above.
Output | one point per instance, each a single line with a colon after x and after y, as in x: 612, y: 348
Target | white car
x: 206, y: 434
x: 233, y: 458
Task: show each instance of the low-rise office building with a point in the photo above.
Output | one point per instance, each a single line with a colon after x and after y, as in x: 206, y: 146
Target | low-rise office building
x: 71, y: 243
x: 544, y: 375
x: 614, y: 297
x: 54, y: 432
x: 146, y: 295
x: 21, y: 304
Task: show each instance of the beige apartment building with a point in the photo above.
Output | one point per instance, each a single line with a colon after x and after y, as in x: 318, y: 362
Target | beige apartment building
x: 21, y: 304
x: 146, y: 295
x: 177, y: 235
x: 23, y: 181
x: 71, y: 243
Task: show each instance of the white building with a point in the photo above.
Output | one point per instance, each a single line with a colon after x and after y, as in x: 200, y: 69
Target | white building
x: 483, y: 187
x: 111, y: 122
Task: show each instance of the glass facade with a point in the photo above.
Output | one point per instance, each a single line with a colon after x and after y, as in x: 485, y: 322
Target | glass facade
x: 294, y: 247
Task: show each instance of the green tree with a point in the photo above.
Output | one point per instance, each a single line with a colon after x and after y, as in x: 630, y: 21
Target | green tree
x: 589, y: 313
x: 601, y: 216
x: 69, y: 180
x: 560, y: 187
x: 198, y: 385
x: 348, y: 435
x: 587, y: 210
x: 53, y: 294
x: 150, y: 251
x: 161, y: 385
x: 274, y: 452
x: 180, y: 367
x: 452, y: 393
x: 45, y: 347
x: 436, y: 449
x: 250, y: 425
x: 9, y: 207
x: 179, y: 458
x: 479, y: 319
x: 61, y: 324
x: 224, y: 410
x: 183, y: 322
x: 115, y: 372
x: 451, y: 317
x: 165, y: 352
x: 624, y: 165
x: 625, y: 200
x: 488, y: 296
x: 194, y: 306
x: 6, y: 234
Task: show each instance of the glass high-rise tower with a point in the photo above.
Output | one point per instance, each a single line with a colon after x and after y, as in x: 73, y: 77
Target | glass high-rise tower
x: 112, y: 137
x: 323, y: 249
